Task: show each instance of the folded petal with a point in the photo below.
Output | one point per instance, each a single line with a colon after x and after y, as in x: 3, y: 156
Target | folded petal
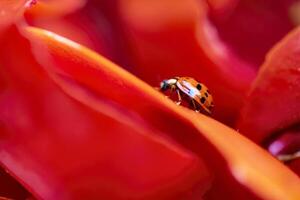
x: 92, y: 113
x: 272, y: 112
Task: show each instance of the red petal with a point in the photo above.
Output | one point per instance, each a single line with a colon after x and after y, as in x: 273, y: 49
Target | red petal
x: 273, y: 105
x: 251, y: 28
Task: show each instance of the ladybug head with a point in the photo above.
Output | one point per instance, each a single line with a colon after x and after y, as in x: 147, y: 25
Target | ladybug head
x: 164, y: 85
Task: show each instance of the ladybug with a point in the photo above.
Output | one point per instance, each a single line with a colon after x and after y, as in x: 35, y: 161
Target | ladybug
x: 188, y: 88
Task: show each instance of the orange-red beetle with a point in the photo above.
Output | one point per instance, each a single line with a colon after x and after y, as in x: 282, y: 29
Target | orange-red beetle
x: 198, y: 94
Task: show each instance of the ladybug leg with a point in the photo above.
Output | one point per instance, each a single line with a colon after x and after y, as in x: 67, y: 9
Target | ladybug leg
x: 173, y: 88
x: 194, y: 105
x: 179, y: 98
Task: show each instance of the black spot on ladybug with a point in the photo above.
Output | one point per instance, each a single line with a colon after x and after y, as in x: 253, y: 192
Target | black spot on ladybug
x: 199, y: 86
x: 206, y: 94
x: 202, y: 99
x: 208, y: 91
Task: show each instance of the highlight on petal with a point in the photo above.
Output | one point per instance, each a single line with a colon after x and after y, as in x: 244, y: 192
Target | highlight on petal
x: 272, y: 113
x: 120, y: 111
x: 176, y: 38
